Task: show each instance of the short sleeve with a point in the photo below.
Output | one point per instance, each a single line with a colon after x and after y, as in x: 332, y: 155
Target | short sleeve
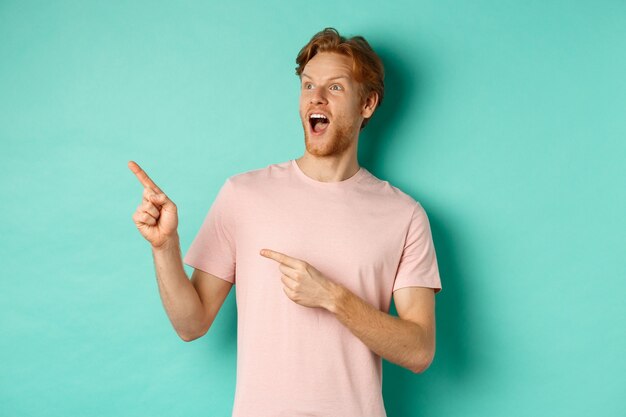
x: 418, y: 263
x: 213, y: 249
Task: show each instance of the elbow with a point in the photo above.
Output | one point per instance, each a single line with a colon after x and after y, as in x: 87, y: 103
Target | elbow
x: 191, y: 336
x: 423, y: 362
x: 420, y: 368
x: 188, y: 338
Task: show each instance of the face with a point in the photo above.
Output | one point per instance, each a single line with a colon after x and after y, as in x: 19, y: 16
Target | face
x: 327, y: 89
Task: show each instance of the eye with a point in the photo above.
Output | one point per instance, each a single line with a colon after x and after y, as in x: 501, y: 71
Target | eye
x: 332, y: 87
x: 308, y: 86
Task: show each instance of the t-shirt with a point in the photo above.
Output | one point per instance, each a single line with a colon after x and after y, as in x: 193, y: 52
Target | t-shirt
x: 361, y: 232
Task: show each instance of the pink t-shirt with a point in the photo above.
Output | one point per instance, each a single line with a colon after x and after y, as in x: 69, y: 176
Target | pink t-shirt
x: 362, y: 232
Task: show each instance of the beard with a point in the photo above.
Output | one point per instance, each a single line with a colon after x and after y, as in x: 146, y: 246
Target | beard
x: 333, y: 142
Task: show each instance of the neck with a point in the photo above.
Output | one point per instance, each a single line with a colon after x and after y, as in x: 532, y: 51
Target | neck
x: 329, y: 168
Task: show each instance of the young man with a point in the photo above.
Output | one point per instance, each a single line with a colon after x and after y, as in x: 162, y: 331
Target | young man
x: 316, y: 246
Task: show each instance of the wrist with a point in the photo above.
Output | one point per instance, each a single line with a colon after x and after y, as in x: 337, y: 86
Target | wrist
x: 169, y: 244
x: 336, y: 296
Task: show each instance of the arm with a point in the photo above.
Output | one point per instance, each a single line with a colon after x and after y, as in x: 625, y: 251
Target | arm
x: 213, y: 292
x: 408, y: 341
x: 190, y: 305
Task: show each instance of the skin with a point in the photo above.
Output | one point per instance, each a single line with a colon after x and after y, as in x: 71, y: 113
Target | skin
x: 333, y: 155
x: 156, y: 217
x: 407, y: 340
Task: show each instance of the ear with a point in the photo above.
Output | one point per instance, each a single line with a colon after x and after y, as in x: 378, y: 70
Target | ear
x: 369, y: 105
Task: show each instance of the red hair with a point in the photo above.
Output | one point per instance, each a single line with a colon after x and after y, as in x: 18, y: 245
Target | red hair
x: 367, y: 67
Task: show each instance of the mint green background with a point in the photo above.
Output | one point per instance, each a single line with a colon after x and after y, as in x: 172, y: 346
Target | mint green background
x: 506, y: 120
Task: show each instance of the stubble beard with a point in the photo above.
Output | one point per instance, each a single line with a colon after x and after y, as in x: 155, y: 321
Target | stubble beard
x: 333, y: 143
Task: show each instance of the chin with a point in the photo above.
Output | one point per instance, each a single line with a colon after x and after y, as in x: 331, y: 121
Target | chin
x: 330, y: 144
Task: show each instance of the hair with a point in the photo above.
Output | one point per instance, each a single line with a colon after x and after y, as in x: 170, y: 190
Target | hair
x: 367, y: 67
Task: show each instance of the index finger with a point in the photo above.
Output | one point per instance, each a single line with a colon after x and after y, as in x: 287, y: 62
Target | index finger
x: 143, y: 178
x: 280, y: 257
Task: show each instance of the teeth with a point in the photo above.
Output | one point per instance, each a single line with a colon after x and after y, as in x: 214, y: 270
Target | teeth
x: 318, y: 116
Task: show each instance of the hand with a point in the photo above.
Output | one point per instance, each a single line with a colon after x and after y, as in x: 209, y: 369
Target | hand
x: 156, y: 217
x: 303, y: 283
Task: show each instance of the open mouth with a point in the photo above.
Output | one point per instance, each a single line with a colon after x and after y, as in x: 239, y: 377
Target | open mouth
x: 318, y: 123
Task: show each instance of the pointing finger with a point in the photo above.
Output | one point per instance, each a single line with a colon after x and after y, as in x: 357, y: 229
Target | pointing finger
x: 280, y: 257
x: 143, y: 178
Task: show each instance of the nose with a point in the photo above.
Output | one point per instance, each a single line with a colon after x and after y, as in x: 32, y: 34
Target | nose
x: 318, y: 96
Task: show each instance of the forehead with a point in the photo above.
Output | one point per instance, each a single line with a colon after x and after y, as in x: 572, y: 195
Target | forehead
x: 328, y: 65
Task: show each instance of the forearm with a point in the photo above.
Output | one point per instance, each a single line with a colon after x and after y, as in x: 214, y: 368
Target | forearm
x: 399, y: 341
x: 180, y: 299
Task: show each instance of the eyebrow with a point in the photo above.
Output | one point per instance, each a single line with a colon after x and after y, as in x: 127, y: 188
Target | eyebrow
x: 333, y: 78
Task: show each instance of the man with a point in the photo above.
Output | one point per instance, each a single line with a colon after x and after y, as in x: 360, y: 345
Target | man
x: 316, y: 246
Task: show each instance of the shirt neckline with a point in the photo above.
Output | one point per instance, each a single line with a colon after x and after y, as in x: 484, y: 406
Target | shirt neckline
x: 329, y: 184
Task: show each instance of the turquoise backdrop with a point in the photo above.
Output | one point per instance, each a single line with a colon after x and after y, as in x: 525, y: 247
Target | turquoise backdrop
x: 505, y: 119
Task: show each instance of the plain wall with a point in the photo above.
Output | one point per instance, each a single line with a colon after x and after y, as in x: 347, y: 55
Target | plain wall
x: 504, y: 119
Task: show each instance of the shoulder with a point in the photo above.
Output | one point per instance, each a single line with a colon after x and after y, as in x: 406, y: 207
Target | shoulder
x: 393, y: 196
x: 258, y: 176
